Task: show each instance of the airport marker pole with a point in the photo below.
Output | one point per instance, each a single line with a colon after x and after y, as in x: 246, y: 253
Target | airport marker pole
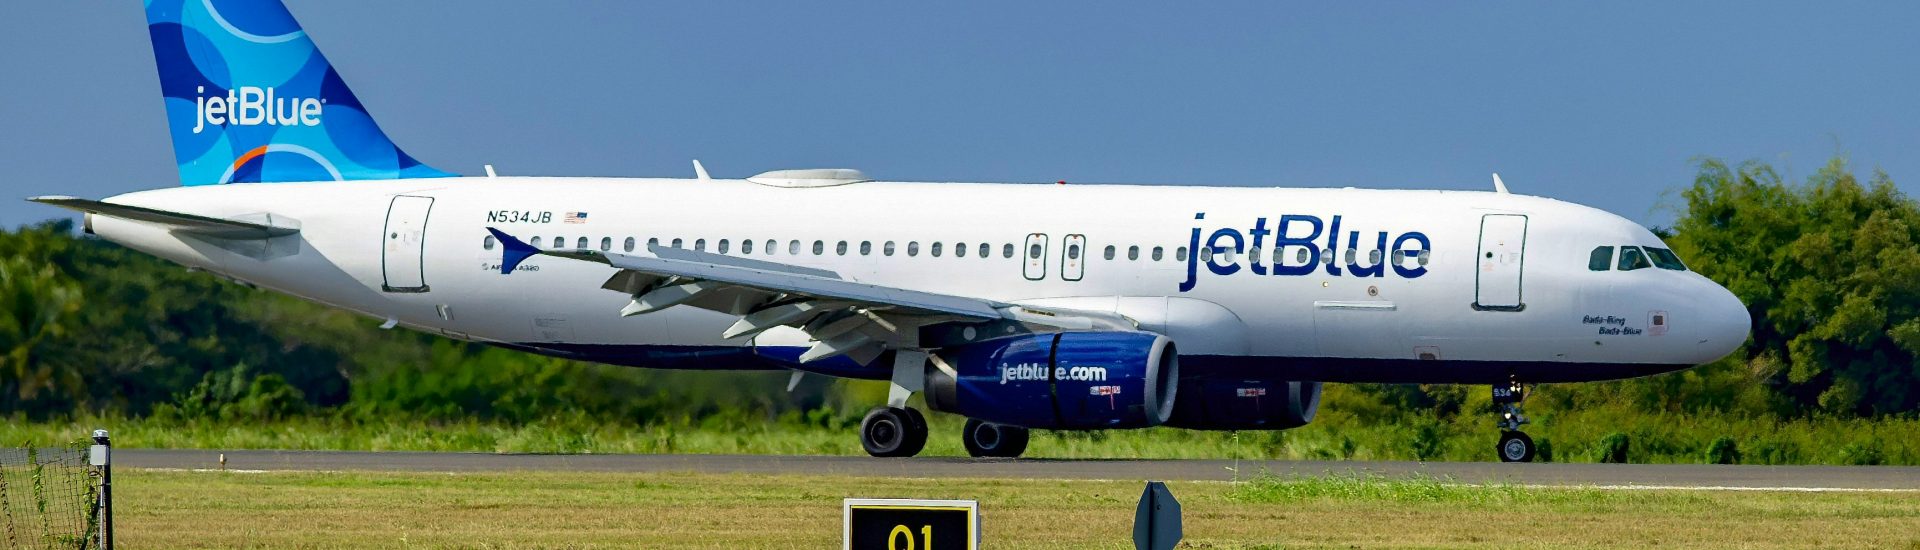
x: 100, y: 455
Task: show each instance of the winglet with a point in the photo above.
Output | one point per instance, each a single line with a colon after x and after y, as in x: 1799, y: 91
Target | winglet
x: 1499, y: 186
x: 700, y: 171
x: 513, y: 251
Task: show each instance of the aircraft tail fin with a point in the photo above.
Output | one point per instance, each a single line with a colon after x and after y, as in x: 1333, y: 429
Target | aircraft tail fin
x: 251, y: 99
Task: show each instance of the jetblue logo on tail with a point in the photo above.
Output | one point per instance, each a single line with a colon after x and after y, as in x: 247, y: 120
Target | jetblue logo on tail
x: 252, y: 106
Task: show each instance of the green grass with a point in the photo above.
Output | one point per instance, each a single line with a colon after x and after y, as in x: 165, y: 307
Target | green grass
x: 176, y: 509
x: 1570, y: 436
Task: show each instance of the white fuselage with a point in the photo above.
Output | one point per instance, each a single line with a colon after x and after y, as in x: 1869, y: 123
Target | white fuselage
x: 1502, y: 279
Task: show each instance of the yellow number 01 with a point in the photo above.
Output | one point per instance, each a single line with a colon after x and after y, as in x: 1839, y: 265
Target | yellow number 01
x: 926, y: 535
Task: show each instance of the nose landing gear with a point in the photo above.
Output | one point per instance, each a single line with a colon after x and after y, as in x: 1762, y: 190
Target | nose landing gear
x: 1514, y: 445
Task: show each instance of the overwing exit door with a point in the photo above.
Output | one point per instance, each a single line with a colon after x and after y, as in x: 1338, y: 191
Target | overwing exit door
x: 404, y: 244
x: 1035, y: 266
x: 1502, y: 262
x: 1073, y: 264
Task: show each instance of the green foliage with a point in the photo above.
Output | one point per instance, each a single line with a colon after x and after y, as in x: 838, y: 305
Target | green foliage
x: 1830, y: 270
x: 1612, y: 448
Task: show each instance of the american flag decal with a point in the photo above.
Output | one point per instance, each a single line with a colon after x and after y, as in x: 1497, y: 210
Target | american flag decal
x: 574, y: 217
x: 1104, y: 390
x: 1250, y: 392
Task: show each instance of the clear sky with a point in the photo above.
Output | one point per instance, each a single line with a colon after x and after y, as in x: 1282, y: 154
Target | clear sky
x: 1600, y: 103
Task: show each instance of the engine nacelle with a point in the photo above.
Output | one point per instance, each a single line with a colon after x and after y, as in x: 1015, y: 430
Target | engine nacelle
x: 1071, y: 380
x: 1237, y: 404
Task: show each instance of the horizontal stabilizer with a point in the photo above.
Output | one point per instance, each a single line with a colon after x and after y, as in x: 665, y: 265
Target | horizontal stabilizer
x: 254, y: 226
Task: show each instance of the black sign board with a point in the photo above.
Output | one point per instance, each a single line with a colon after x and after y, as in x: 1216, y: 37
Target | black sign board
x: 907, y: 524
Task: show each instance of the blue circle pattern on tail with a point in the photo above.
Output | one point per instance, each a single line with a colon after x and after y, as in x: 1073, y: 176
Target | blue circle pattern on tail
x: 250, y: 99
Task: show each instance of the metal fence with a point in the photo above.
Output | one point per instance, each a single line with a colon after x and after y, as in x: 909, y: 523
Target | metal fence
x: 54, y: 497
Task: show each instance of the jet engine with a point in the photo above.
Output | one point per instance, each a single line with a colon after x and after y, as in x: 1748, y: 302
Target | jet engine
x: 1072, y: 380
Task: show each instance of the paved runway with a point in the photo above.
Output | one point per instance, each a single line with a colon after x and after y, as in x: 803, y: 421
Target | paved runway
x: 1610, y: 475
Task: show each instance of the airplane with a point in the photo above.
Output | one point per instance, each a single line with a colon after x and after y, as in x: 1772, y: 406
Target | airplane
x: 1018, y: 306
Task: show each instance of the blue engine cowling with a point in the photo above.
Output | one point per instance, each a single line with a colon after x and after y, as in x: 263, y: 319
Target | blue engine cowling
x: 1071, y: 380
x: 1241, y: 404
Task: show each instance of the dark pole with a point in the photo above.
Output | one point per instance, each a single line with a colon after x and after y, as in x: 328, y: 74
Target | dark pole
x: 102, y: 449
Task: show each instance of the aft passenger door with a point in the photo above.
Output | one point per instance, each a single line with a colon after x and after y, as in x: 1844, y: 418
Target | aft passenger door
x: 405, y: 240
x: 1502, y: 262
x: 1035, y: 266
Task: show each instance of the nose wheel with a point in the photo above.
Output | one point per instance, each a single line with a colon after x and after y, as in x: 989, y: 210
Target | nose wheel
x: 1514, y: 445
x: 893, y: 432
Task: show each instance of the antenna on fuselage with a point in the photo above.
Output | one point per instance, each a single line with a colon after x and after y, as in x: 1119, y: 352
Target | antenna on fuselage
x: 1499, y: 186
x: 700, y: 171
x: 490, y: 171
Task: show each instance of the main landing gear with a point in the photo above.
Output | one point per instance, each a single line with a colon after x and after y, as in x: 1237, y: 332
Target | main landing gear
x: 1514, y: 445
x: 893, y: 431
x: 897, y: 430
x: 986, y: 439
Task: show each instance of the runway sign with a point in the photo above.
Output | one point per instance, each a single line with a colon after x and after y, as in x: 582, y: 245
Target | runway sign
x: 910, y: 524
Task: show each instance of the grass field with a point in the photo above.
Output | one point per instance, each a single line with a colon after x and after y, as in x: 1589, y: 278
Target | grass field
x: 177, y: 509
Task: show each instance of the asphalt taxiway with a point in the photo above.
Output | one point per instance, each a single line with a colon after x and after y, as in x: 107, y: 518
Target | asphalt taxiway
x: 1788, y: 478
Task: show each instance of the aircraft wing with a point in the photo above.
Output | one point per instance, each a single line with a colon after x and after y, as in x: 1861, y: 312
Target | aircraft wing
x: 844, y: 317
x: 257, y: 226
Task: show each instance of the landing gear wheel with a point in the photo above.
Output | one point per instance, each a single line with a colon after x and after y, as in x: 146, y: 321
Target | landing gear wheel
x: 889, y: 431
x: 986, y: 439
x: 1515, y: 447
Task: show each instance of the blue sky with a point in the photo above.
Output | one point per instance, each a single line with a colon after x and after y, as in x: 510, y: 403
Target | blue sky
x: 1596, y: 103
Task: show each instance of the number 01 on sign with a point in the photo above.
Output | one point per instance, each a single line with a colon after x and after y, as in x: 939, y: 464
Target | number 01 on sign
x: 910, y: 524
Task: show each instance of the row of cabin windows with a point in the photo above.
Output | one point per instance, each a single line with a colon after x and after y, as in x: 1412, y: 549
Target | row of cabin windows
x: 985, y: 250
x: 1634, y: 257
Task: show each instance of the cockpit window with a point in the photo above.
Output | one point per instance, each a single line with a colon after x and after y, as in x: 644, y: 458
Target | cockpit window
x: 1666, y: 259
x: 1602, y: 259
x: 1632, y: 258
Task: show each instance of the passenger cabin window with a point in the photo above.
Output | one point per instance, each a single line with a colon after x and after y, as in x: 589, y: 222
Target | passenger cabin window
x: 959, y: 250
x: 1133, y: 252
x: 1632, y: 258
x: 1303, y: 258
x: 793, y: 248
x: 559, y: 242
x: 866, y: 248
x: 887, y: 249
x: 935, y: 250
x: 773, y: 246
x: 723, y: 246
x: 746, y: 247
x: 1665, y: 259
x: 653, y: 242
x: 677, y: 242
x: 913, y: 248
x: 1006, y: 251
x: 629, y: 244
x: 1034, y: 251
x: 700, y: 245
x: 1109, y: 254
x: 488, y: 243
x: 1073, y: 252
x: 1601, y: 260
x: 840, y: 249
x: 606, y: 244
x: 819, y: 248
x: 986, y: 251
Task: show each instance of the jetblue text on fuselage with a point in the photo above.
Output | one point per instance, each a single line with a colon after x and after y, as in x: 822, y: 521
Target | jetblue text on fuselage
x: 253, y: 106
x: 1302, y: 232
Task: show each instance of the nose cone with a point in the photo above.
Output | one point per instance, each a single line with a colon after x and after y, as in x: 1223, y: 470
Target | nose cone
x: 1725, y: 322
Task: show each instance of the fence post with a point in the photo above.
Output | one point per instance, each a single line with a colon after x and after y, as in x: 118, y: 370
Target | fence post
x: 100, y: 456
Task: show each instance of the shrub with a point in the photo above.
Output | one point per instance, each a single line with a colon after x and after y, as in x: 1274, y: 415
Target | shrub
x: 1863, y: 453
x: 1612, y: 448
x: 1723, y: 451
